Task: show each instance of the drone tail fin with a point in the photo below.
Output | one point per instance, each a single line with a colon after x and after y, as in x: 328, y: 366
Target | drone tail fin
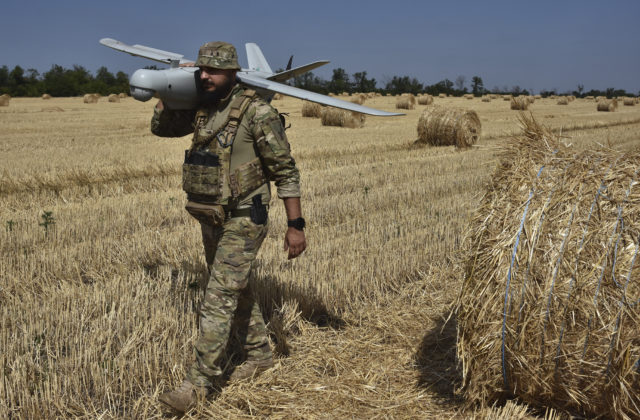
x: 256, y: 59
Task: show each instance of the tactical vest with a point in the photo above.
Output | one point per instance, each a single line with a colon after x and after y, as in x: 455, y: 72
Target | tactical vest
x: 206, y: 174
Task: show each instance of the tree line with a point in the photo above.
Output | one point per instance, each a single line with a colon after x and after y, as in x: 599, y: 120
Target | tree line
x: 60, y: 81
x: 76, y: 81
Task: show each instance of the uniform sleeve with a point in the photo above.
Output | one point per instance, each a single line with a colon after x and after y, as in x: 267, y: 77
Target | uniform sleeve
x: 274, y: 149
x: 172, y: 123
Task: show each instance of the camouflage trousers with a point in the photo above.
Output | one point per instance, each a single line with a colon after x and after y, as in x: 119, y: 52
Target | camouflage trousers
x: 230, y: 318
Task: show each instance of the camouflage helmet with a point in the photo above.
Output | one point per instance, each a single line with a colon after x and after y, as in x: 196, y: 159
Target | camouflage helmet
x: 218, y: 55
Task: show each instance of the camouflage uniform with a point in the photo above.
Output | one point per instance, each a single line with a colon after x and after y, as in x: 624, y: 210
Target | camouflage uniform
x: 229, y: 309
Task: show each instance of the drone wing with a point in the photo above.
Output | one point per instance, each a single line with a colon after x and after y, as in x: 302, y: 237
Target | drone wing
x: 144, y: 52
x: 270, y: 85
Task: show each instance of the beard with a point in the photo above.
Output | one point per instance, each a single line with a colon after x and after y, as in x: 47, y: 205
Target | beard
x: 221, y: 92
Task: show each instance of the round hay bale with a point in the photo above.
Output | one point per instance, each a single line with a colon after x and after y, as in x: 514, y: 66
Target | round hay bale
x: 412, y: 98
x: 113, y: 98
x: 629, y: 101
x: 548, y: 310
x: 4, y: 100
x: 607, y: 105
x: 507, y: 97
x: 46, y: 96
x: 439, y: 126
x: 494, y: 97
x: 531, y: 99
x: 468, y: 96
x: 341, y: 118
x: 563, y: 101
x: 486, y: 99
x: 277, y: 97
x: 358, y: 99
x: 122, y: 95
x: 90, y: 98
x: 311, y: 109
x: 404, y: 102
x: 538, y: 97
x: 425, y: 100
x: 442, y: 95
x: 520, y: 103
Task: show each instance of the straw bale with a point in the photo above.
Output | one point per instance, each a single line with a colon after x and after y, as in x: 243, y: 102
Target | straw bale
x: 114, y: 98
x: 519, y: 103
x: 90, y: 98
x: 607, y: 105
x: 507, y: 97
x: 442, y: 95
x: 563, y: 101
x: 548, y: 311
x: 358, y: 99
x: 277, y: 97
x: 4, y: 100
x: 425, y: 100
x: 412, y: 98
x: 538, y: 96
x: 629, y: 101
x: 589, y: 98
x: 468, y: 96
x: 122, y: 95
x: 404, y: 102
x: 531, y: 99
x: 341, y: 118
x: 439, y: 126
x: 494, y: 96
x: 486, y: 99
x: 311, y: 109
x: 46, y: 96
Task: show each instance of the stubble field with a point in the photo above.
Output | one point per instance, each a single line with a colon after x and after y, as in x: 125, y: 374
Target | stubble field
x: 101, y: 267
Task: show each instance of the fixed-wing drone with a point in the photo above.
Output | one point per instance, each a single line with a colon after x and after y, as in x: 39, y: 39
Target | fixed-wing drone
x: 178, y: 86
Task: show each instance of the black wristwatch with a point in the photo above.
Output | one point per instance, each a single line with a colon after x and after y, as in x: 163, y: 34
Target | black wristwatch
x: 298, y: 223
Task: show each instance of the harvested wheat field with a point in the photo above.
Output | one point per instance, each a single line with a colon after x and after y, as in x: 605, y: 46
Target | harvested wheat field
x: 102, y: 266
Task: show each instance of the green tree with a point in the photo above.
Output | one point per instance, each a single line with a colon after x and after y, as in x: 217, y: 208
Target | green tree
x: 404, y: 84
x: 339, y: 81
x: 477, y: 86
x: 362, y: 84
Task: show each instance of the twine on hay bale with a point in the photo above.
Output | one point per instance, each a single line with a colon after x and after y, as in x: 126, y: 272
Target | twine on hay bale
x: 549, y: 307
x: 341, y: 118
x: 520, y: 103
x: 311, y: 109
x: 439, y: 126
x: 607, y: 105
x: 113, y: 98
x: 425, y: 100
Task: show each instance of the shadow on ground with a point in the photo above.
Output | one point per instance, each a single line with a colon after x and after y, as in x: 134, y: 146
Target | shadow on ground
x: 436, y: 360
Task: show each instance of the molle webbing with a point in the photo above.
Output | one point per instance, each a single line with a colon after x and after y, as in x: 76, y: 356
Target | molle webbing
x: 209, y: 173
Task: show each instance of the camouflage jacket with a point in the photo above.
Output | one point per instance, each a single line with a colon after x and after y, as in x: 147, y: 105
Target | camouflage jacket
x: 260, y: 128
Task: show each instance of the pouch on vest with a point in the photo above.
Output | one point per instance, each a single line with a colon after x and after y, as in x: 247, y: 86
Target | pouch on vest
x: 209, y: 214
x: 201, y: 172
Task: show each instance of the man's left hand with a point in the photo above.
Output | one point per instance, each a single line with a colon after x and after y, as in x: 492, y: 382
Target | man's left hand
x: 295, y: 242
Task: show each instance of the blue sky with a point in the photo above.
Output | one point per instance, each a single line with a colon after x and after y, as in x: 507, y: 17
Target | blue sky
x: 534, y: 44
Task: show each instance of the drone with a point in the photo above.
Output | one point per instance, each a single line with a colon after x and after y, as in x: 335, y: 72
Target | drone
x: 179, y: 85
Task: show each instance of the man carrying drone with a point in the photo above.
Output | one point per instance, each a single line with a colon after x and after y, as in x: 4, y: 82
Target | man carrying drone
x: 238, y: 146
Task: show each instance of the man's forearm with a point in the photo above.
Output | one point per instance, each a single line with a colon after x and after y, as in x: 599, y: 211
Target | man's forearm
x: 292, y: 207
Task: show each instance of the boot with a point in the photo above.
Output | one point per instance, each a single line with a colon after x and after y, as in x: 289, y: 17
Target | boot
x: 250, y: 369
x: 184, y: 398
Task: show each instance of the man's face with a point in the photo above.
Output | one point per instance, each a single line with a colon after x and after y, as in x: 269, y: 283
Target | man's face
x: 216, y: 80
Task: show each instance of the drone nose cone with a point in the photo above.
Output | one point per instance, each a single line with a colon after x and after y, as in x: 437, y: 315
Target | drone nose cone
x: 145, y: 83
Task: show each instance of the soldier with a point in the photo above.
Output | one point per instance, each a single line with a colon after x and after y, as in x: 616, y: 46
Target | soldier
x: 238, y: 146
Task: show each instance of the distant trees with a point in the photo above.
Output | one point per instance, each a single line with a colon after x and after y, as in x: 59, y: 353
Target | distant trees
x: 59, y: 81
